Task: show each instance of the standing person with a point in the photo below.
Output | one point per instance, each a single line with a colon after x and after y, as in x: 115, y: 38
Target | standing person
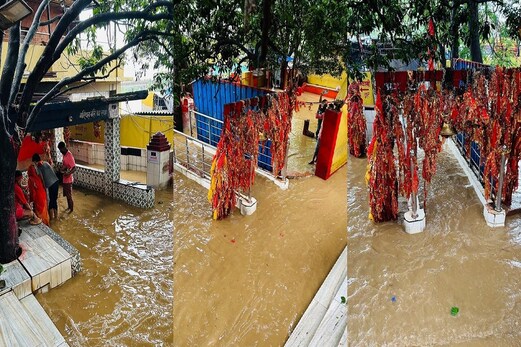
x: 38, y: 194
x: 68, y: 168
x: 50, y: 181
x: 320, y: 112
x: 315, y: 155
x: 46, y: 138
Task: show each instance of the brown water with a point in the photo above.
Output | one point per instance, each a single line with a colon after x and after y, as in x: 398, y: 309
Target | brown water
x: 246, y: 280
x: 123, y: 295
x: 457, y: 261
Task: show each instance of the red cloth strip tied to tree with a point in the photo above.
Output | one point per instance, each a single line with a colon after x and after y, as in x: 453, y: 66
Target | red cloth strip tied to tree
x: 410, y: 181
x: 356, y: 131
x: 381, y: 175
x: 499, y: 133
x: 222, y: 193
x: 236, y: 156
x: 277, y: 128
x: 428, y: 127
x: 514, y: 135
x: 488, y: 112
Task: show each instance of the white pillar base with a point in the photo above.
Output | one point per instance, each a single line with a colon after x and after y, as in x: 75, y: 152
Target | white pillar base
x: 414, y: 225
x: 493, y: 218
x: 247, y: 207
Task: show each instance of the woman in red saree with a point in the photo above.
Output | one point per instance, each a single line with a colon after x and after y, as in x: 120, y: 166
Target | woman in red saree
x: 38, y: 194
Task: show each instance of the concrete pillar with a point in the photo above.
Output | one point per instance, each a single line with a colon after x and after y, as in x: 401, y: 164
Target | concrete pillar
x: 158, y: 161
x: 56, y: 155
x: 112, y: 151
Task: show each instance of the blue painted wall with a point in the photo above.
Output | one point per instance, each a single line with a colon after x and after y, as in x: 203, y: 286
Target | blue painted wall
x: 210, y: 98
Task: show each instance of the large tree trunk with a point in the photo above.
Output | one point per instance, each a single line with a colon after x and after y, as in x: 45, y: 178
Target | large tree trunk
x: 454, y: 33
x: 266, y: 25
x: 283, y: 73
x: 8, y: 225
x: 442, y: 56
x: 475, y: 47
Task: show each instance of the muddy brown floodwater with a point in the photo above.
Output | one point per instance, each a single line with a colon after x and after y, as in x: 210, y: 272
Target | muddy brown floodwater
x: 123, y: 295
x: 246, y: 280
x: 457, y: 261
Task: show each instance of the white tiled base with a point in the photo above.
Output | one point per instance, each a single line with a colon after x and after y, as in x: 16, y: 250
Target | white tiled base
x: 414, y: 225
x: 17, y: 279
x: 25, y: 323
x: 493, y: 218
x: 247, y: 207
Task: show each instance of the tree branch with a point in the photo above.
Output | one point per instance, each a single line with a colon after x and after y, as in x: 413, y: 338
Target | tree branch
x: 58, y: 42
x: 85, y: 72
x: 10, y: 63
x: 75, y: 87
x: 228, y: 41
x: 50, y: 21
x: 168, y: 51
x: 46, y: 61
x: 108, y: 17
x: 89, y: 81
x: 266, y: 25
x: 20, y: 65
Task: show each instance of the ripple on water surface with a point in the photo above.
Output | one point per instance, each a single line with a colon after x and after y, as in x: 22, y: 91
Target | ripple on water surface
x: 247, y: 280
x: 123, y: 296
x: 402, y: 287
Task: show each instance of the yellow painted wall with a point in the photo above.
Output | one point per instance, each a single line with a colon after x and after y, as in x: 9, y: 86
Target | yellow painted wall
x: 135, y: 130
x: 342, y: 93
x: 342, y: 82
x: 366, y: 89
x: 149, y: 100
x: 327, y: 80
x: 340, y: 154
x: 85, y: 132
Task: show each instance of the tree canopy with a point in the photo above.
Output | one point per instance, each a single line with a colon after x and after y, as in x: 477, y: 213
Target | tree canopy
x: 222, y: 35
x: 462, y: 26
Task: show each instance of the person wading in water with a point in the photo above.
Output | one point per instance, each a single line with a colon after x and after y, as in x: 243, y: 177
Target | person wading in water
x: 67, y: 169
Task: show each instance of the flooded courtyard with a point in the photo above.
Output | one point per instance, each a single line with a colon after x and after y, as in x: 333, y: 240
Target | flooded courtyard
x: 402, y: 287
x: 123, y: 295
x: 247, y: 280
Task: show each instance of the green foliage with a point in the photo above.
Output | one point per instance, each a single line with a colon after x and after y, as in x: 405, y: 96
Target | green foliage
x: 513, y: 19
x: 95, y: 56
x: 403, y: 25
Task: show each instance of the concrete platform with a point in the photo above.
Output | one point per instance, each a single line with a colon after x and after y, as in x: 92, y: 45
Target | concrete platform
x: 324, y: 323
x: 43, y: 265
x: 25, y: 323
x: 48, y: 264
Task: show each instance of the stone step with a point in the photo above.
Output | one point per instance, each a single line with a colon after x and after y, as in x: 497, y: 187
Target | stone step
x: 25, y: 324
x: 326, y: 314
x: 42, y: 320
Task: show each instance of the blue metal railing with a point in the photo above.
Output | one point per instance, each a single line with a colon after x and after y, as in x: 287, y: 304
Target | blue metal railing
x: 210, y: 98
